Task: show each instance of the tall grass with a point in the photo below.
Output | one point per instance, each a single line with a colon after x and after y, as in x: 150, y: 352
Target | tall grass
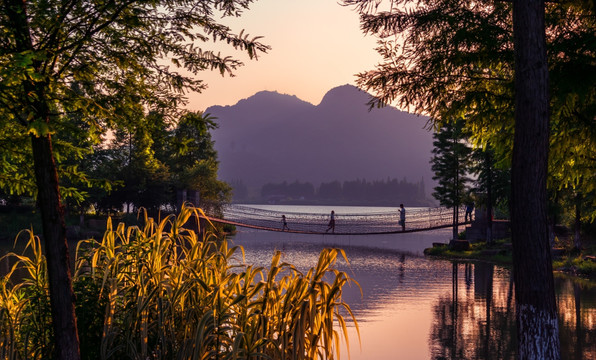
x: 164, y: 291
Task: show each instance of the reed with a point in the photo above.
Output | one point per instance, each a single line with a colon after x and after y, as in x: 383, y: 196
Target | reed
x: 165, y: 291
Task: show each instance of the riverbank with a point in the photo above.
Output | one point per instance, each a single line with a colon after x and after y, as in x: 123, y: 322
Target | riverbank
x: 566, y: 259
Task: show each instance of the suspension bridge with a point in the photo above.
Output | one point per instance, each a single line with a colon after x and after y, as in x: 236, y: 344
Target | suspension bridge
x: 373, y: 223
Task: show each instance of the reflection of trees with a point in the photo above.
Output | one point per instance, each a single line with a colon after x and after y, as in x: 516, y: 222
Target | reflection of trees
x: 577, y: 318
x: 475, y: 326
x: 482, y: 325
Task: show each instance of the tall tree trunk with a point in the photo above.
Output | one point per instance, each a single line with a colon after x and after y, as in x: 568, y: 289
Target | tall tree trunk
x: 454, y: 219
x: 457, y: 194
x: 538, y: 332
x: 48, y: 196
x: 489, y: 197
x: 54, y: 233
x: 577, y: 243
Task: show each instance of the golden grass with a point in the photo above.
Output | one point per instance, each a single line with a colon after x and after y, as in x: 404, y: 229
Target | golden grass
x: 165, y: 291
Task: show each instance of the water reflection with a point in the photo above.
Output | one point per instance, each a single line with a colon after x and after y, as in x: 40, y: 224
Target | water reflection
x: 416, y: 308
x: 482, y: 325
x: 577, y: 318
x: 413, y: 307
x: 478, y: 323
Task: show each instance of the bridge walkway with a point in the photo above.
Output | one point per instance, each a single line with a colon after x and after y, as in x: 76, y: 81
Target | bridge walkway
x: 417, y: 220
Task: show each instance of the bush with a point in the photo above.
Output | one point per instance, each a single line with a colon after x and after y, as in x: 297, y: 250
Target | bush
x: 168, y: 294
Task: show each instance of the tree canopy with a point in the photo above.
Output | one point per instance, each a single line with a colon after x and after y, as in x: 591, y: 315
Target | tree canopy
x: 451, y: 163
x: 452, y: 59
x: 148, y: 166
x: 105, y: 65
x: 69, y: 71
x: 488, y: 62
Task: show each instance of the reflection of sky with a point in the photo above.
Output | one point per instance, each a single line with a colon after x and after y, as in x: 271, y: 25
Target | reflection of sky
x: 399, y: 289
x: 406, y: 309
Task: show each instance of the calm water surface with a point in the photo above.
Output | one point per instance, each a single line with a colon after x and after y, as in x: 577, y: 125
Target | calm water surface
x: 413, y: 307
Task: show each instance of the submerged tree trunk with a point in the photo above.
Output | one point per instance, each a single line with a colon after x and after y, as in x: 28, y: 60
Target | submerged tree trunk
x: 538, y: 332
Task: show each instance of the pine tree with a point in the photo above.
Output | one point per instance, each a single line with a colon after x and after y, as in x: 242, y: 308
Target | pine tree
x: 450, y: 162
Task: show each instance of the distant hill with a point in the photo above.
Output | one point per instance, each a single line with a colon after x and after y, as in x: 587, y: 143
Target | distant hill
x: 272, y: 137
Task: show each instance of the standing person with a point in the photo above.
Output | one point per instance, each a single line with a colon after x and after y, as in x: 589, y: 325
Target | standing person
x: 284, y: 223
x: 331, y: 222
x: 469, y: 209
x: 402, y: 217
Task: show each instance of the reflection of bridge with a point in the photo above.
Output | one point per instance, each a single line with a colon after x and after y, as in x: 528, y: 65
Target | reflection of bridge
x: 418, y: 219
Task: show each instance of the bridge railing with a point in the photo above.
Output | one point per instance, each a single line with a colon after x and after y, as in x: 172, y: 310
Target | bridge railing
x: 381, y: 222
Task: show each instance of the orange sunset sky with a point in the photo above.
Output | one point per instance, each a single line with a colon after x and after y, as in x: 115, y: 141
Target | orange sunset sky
x: 316, y: 45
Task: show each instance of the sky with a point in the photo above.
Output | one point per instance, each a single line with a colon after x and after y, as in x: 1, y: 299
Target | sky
x: 316, y: 46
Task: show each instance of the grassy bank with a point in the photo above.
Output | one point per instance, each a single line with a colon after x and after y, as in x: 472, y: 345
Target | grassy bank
x: 565, y: 258
x: 499, y: 252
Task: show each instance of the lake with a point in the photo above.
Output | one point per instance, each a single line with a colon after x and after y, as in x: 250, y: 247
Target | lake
x: 413, y: 307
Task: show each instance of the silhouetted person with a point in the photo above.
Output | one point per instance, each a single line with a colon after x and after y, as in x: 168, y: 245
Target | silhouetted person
x: 284, y: 223
x: 331, y: 222
x: 402, y: 217
x: 469, y: 209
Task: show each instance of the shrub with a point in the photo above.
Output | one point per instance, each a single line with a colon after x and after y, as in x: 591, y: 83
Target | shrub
x: 163, y: 292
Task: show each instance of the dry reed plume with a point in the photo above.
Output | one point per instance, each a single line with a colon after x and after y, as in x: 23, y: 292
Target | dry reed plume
x: 164, y: 291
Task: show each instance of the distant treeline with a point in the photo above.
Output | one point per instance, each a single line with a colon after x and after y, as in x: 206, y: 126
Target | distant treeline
x: 357, y: 192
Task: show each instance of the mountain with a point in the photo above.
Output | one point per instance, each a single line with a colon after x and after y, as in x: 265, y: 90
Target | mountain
x: 272, y: 137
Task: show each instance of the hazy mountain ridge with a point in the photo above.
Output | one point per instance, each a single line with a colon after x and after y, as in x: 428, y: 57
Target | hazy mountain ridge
x: 272, y: 137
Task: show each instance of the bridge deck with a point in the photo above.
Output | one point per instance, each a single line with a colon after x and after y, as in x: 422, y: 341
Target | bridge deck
x: 345, y: 224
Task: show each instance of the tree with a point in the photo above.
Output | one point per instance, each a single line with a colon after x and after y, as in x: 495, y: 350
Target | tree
x: 193, y: 161
x: 492, y: 183
x: 330, y: 190
x: 451, y: 163
x: 145, y: 178
x: 536, y: 307
x: 458, y: 58
x: 115, y: 52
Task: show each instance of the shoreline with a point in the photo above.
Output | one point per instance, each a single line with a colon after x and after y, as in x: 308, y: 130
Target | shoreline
x: 574, y: 263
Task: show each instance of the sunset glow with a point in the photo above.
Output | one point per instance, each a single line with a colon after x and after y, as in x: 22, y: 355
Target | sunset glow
x: 316, y: 45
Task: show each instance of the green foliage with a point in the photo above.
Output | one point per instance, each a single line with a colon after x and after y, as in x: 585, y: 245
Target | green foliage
x: 78, y: 70
x: 498, y: 252
x: 194, y: 161
x: 451, y: 162
x: 454, y: 59
x: 491, y: 181
x: 576, y: 265
x: 98, y: 65
x: 160, y: 291
x: 149, y: 161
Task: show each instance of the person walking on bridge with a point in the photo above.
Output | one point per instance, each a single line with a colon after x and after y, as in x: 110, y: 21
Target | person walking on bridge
x: 331, y: 222
x: 402, y: 217
x: 469, y: 209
